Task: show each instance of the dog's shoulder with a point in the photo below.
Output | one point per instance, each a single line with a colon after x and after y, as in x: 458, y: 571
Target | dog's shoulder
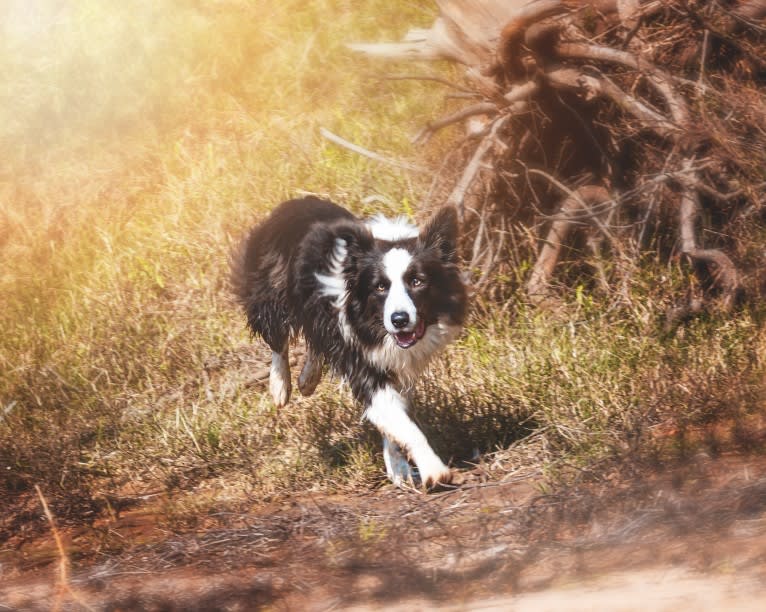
x: 329, y: 247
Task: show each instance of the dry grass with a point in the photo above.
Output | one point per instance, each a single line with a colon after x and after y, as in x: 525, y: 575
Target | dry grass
x: 138, y: 144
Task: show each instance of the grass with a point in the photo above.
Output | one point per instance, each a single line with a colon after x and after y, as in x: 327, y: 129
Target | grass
x: 139, y: 143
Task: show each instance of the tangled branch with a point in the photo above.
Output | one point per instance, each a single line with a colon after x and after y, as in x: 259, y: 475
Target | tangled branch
x: 608, y: 103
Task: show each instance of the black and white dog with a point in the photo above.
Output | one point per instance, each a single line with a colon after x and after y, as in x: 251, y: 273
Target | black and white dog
x: 375, y: 300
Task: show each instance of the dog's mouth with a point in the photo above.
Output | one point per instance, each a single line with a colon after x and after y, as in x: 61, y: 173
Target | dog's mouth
x: 406, y: 339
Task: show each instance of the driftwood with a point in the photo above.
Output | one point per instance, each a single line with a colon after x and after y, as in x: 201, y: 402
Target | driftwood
x: 584, y: 200
x: 624, y: 107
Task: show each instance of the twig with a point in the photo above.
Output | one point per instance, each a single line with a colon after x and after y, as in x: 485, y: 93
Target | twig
x: 367, y: 153
x: 476, y: 251
x: 456, y: 150
x: 703, y: 60
x: 492, y: 255
x: 482, y: 108
x: 655, y: 183
x: 62, y: 584
x: 428, y: 77
x: 724, y: 197
x: 457, y: 197
x: 726, y: 275
x: 633, y: 31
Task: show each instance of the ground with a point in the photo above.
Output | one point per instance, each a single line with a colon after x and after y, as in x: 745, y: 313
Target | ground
x: 691, y: 535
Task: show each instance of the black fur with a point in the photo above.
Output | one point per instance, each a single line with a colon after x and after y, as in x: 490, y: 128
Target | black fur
x: 261, y: 269
x: 275, y: 279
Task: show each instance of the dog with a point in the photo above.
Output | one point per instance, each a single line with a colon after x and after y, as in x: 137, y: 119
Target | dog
x: 374, y: 299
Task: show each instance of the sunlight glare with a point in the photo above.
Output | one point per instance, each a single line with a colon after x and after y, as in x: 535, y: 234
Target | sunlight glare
x: 28, y: 20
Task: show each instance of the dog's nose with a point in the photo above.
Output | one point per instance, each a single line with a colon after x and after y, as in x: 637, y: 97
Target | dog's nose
x: 400, y: 319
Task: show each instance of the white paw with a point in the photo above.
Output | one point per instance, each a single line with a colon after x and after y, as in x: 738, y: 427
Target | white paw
x: 279, y: 378
x: 280, y: 388
x: 433, y: 473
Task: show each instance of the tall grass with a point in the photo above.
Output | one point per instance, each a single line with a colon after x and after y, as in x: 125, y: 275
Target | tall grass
x: 139, y: 140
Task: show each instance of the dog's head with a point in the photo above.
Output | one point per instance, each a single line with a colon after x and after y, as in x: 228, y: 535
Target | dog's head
x: 410, y: 281
x: 397, y: 289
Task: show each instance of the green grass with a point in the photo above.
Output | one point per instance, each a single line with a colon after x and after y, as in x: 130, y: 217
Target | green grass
x: 140, y: 142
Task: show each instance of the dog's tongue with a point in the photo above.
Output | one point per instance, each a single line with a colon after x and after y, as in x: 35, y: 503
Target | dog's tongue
x: 407, y: 339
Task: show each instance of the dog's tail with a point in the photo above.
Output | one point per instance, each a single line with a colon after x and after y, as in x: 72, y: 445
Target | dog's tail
x: 239, y: 284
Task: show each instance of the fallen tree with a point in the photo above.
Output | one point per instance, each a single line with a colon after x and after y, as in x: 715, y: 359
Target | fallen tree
x: 638, y: 125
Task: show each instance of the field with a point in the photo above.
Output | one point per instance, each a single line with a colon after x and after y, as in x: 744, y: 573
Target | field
x: 138, y: 142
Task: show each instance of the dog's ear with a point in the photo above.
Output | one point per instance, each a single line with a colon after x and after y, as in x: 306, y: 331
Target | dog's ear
x: 329, y: 255
x: 441, y: 233
x: 351, y: 241
x: 356, y: 237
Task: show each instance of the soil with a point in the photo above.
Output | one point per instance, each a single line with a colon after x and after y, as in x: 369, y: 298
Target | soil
x: 690, y: 536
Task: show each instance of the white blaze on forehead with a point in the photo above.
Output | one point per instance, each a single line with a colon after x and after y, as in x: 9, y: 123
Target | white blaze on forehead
x: 395, y: 264
x: 391, y: 230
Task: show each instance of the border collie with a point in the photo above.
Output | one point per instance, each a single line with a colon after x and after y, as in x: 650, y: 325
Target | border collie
x: 375, y: 300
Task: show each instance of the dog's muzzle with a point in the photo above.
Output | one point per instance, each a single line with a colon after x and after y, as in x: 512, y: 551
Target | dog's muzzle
x: 406, y: 339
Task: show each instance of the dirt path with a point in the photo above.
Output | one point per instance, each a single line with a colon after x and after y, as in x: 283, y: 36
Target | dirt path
x: 692, y: 538
x: 666, y: 588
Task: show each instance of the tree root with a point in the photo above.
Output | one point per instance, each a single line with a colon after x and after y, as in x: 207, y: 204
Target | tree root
x: 589, y: 95
x: 582, y: 200
x: 458, y: 195
x: 725, y: 273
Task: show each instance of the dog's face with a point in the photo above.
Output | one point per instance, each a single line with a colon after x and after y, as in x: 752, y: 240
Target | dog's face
x: 407, y: 282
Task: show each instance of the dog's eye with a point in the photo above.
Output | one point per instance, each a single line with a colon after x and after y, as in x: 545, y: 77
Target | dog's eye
x: 381, y: 287
x: 417, y: 282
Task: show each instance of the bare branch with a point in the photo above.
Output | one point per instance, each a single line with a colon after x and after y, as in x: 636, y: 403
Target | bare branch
x: 457, y: 197
x: 539, y: 280
x: 570, y: 78
x: 482, y: 108
x: 520, y: 93
x: 441, y: 41
x: 367, y: 153
x: 536, y: 56
x: 725, y: 274
x: 657, y: 77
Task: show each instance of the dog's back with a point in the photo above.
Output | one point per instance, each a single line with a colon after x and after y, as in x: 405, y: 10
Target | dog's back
x: 260, y: 269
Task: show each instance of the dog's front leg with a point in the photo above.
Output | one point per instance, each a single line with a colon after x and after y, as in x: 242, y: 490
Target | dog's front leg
x: 387, y: 410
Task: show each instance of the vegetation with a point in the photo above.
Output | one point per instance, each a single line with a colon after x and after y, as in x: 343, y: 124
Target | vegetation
x: 139, y: 141
x: 605, y: 122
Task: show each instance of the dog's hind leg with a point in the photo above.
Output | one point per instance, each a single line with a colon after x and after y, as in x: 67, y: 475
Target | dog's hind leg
x: 279, y: 376
x: 311, y: 373
x: 398, y: 469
